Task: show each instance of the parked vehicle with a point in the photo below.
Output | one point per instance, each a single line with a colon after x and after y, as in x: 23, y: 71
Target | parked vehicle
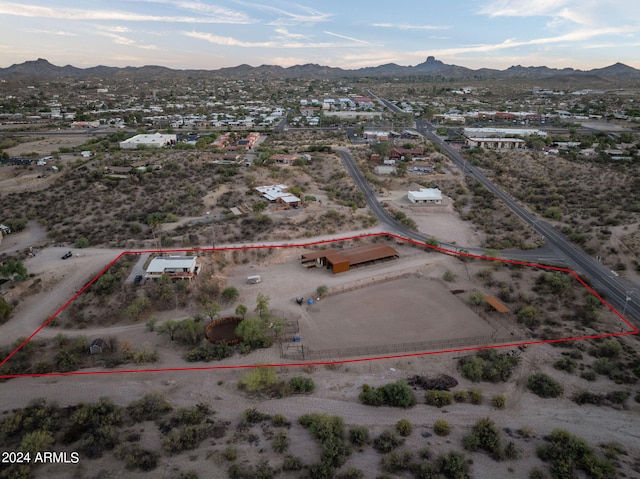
x: 68, y: 254
x: 254, y: 279
x: 137, y: 279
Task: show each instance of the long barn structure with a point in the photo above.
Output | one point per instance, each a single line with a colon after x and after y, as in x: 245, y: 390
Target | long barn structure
x: 340, y: 261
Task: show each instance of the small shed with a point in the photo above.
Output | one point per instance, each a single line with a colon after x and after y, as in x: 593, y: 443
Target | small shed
x: 96, y: 346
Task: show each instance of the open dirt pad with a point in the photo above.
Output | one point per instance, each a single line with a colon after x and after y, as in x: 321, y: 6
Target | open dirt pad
x: 404, y: 310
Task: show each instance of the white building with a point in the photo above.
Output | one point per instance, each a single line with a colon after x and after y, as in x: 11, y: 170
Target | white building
x: 156, y: 140
x: 426, y: 196
x: 279, y: 194
x: 497, y: 143
x: 183, y: 267
x: 502, y: 132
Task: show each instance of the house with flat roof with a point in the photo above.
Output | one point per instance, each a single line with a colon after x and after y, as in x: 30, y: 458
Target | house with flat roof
x: 279, y: 194
x: 179, y: 267
x: 426, y: 196
x: 157, y: 140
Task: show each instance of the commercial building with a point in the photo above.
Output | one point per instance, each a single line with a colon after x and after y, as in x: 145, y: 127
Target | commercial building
x: 426, y: 196
x: 157, y: 140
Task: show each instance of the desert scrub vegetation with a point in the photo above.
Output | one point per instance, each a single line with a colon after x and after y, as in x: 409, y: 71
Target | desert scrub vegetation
x: 397, y: 394
x: 485, y: 436
x: 330, y: 434
x: 544, y: 385
x: 488, y: 365
x: 567, y: 454
x: 562, y: 189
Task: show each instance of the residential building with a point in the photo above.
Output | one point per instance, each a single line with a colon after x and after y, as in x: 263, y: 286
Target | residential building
x: 179, y: 267
x: 279, y: 194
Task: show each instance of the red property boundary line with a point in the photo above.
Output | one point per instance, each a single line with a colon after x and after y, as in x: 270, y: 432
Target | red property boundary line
x: 633, y: 330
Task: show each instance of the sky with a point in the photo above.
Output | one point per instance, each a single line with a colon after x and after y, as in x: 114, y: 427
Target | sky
x: 211, y: 34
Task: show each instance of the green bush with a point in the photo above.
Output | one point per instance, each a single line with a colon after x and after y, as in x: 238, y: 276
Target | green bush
x: 253, y: 416
x: 488, y: 365
x: 230, y: 294
x: 460, y: 396
x: 151, y: 407
x: 475, y: 397
x: 387, y: 442
x: 441, y: 427
x: 484, y: 436
x: 279, y: 421
x: 351, y: 473
x: 452, y: 465
x: 544, y: 386
x: 404, y: 427
x: 301, y: 384
x: 292, y: 463
x: 565, y: 364
x: 567, y: 454
x: 499, y: 401
x: 281, y: 442
x: 397, y: 394
x: 258, y: 380
x: 397, y: 461
x: 359, y: 436
x: 209, y: 352
x: 136, y: 457
x: 329, y: 432
x: 438, y: 398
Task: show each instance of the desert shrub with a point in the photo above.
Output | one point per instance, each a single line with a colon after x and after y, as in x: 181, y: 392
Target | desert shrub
x: 329, y: 432
x: 279, y: 420
x: 36, y: 441
x: 512, y: 451
x: 499, y: 401
x: 452, y: 465
x: 566, y: 454
x: 438, y: 398
x: 387, y: 442
x: 475, y: 397
x: 209, y: 352
x: 565, y: 364
x: 460, y: 396
x: 136, y: 457
x: 586, y: 397
x: 254, y: 332
x: 488, y: 365
x: 185, y: 438
x: 449, y: 276
x: 193, y: 415
x: 281, y: 442
x: 397, y: 394
x: 441, y: 427
x: 262, y: 470
x: 229, y: 294
x: 292, y: 463
x: 351, y: 473
x: 5, y: 310
x: 544, y: 386
x: 397, y: 461
x: 253, y: 416
x: 537, y: 473
x: 609, y: 348
x: 404, y: 427
x: 359, y: 436
x: 94, y: 427
x: 484, y: 436
x: 230, y: 453
x: 149, y: 408
x: 258, y: 380
x: 301, y: 384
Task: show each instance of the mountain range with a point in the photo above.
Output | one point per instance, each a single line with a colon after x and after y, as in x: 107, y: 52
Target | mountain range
x: 43, y: 69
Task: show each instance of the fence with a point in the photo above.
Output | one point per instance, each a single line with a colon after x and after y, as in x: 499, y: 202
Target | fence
x: 299, y: 352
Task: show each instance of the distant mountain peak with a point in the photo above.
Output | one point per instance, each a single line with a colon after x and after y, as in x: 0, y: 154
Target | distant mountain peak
x: 42, y: 68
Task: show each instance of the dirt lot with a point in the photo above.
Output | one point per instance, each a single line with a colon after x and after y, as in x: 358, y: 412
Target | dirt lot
x: 419, y: 309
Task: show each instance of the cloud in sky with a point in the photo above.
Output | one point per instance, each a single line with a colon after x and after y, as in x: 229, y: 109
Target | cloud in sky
x: 330, y: 32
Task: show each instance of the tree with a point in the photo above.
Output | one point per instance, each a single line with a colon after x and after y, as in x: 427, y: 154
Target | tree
x: 401, y: 169
x: 5, y: 310
x: 13, y: 268
x: 253, y: 331
x: 169, y: 328
x: 241, y: 310
x: 211, y: 309
x: 262, y: 306
x: 230, y: 294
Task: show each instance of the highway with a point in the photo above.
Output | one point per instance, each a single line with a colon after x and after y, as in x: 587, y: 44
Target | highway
x: 621, y: 293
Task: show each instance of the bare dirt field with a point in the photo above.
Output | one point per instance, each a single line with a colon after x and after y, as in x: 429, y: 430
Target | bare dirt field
x: 419, y: 310
x: 48, y: 143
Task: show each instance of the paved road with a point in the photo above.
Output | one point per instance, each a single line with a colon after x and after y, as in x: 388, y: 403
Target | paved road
x: 621, y: 293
